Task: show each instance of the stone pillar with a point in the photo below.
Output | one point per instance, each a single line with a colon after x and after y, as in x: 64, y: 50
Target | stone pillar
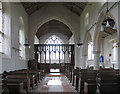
x: 118, y: 55
x: 118, y: 35
x: 96, y: 59
x: 84, y: 61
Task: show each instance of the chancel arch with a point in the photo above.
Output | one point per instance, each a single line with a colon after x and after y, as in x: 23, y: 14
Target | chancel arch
x: 54, y: 45
x: 34, y: 27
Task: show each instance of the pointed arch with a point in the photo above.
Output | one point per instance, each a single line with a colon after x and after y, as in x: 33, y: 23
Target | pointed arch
x: 87, y: 39
x: 53, y: 18
x: 97, y: 35
x: 54, y: 26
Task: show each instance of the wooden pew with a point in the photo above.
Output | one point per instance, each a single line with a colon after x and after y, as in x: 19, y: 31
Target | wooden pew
x: 26, y: 83
x: 32, y: 78
x: 15, y: 88
x: 35, y: 74
x: 90, y: 76
x: 107, y: 79
x: 75, y: 78
x: 70, y: 72
x: 105, y: 88
x: 84, y: 76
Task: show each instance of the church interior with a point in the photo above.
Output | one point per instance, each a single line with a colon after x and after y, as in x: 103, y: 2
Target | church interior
x: 65, y: 47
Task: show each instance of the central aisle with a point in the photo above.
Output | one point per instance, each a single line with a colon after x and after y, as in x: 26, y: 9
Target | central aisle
x: 55, y: 83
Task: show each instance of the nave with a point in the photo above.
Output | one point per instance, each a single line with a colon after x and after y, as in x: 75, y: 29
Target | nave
x: 54, y: 83
x: 80, y: 39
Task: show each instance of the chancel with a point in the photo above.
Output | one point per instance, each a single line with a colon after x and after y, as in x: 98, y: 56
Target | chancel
x: 59, y: 46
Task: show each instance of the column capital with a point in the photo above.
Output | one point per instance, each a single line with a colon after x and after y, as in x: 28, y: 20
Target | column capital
x: 96, y: 52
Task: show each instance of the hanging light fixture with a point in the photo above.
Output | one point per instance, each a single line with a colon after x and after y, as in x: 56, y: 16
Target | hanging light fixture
x: 108, y: 21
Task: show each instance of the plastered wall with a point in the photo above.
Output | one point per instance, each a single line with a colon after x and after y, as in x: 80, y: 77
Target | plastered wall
x: 10, y: 58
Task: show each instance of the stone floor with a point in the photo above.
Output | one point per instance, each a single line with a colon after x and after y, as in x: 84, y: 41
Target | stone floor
x: 54, y: 83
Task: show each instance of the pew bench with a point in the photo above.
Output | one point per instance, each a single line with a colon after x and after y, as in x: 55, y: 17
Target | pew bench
x: 15, y: 88
x: 34, y: 72
x: 26, y: 83
x: 105, y: 88
x: 32, y: 78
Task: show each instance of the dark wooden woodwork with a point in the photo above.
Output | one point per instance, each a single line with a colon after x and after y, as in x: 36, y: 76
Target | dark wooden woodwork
x: 89, y: 76
x: 72, y: 55
x: 105, y: 88
x: 4, y: 83
x: 32, y: 64
x: 26, y: 83
x: 15, y: 88
x: 11, y: 87
x: 60, y: 48
x: 32, y: 78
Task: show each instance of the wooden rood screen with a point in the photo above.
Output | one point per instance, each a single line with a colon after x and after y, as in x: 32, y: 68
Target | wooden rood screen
x: 54, y: 55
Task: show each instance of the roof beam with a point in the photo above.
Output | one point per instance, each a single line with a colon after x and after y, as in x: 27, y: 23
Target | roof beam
x: 35, y: 6
x: 78, y: 7
x: 71, y: 9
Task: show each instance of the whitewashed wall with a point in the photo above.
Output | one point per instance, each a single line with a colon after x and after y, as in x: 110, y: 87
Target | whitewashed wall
x: 10, y: 58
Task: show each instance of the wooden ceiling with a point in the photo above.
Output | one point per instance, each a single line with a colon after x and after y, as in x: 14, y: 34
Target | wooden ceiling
x: 53, y: 27
x: 75, y: 7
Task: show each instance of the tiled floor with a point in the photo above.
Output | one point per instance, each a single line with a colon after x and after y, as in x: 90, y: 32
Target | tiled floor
x: 54, y: 83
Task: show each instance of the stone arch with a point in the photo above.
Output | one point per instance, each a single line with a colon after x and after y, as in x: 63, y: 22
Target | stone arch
x: 97, y: 37
x: 54, y: 27
x: 50, y: 19
x: 53, y: 18
x: 87, y: 39
x: 45, y: 20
